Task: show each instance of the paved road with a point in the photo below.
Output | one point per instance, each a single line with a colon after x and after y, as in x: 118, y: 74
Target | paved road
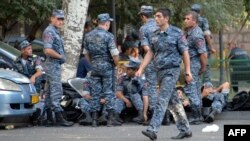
x: 127, y: 132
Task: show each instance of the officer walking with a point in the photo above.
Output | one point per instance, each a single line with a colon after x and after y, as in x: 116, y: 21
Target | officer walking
x: 203, y: 24
x: 54, y: 50
x: 100, y: 50
x: 198, y: 59
x: 29, y: 65
x: 150, y: 88
x: 168, y: 48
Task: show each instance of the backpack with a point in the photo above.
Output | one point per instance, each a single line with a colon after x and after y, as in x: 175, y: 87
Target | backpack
x: 241, y: 101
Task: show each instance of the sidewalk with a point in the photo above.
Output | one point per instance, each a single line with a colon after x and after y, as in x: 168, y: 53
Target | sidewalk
x: 234, y: 115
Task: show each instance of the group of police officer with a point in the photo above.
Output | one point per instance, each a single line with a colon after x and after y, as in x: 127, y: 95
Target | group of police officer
x: 165, y: 47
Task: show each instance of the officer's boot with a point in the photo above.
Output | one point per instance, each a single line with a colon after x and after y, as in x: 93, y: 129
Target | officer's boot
x: 210, y: 117
x: 196, y: 117
x: 94, y: 119
x: 61, y: 121
x: 118, y: 118
x: 166, y: 120
x: 50, y: 120
x: 103, y: 119
x: 87, y: 120
x: 111, y: 119
x: 139, y: 118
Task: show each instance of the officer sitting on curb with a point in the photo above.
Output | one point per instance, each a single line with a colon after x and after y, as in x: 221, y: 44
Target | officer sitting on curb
x: 217, y: 98
x: 29, y: 65
x: 128, y: 90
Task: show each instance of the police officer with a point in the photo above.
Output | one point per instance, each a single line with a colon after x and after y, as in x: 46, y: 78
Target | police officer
x: 168, y: 47
x: 150, y: 88
x: 29, y: 65
x: 243, y: 63
x: 54, y: 50
x: 218, y: 97
x: 203, y: 24
x: 128, y: 90
x: 100, y: 50
x: 198, y: 59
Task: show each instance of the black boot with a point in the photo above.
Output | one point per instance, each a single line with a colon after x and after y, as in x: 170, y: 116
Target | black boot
x: 111, y: 119
x: 117, y: 117
x: 87, y: 120
x: 61, y: 121
x: 166, y: 120
x: 210, y: 117
x: 50, y: 120
x: 103, y: 119
x: 196, y: 117
x: 139, y: 118
x: 94, y: 119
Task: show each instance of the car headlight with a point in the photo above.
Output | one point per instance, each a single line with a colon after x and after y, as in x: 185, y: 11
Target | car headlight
x: 8, y: 85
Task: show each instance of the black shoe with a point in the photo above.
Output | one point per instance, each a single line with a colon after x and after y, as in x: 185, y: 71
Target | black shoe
x: 60, y: 121
x: 182, y: 135
x: 150, y: 134
x: 209, y: 119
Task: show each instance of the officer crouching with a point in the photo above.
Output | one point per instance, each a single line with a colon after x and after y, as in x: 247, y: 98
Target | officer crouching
x: 29, y: 65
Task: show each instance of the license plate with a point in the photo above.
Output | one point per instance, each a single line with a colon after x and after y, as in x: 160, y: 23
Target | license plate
x: 34, y: 99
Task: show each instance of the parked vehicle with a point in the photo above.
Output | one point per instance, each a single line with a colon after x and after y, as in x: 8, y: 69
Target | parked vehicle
x: 8, y: 55
x: 37, y: 44
x: 17, y: 95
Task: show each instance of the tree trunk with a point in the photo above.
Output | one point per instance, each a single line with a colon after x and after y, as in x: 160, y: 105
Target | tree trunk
x: 75, y: 16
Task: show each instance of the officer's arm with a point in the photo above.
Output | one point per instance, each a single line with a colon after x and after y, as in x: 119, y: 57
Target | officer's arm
x: 120, y: 95
x: 186, y: 61
x: 35, y: 75
x: 52, y: 53
x: 203, y: 61
x: 116, y: 59
x: 147, y: 58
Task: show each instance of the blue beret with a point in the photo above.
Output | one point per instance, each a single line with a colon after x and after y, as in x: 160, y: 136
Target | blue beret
x: 146, y: 9
x: 24, y: 44
x: 58, y: 13
x: 104, y: 17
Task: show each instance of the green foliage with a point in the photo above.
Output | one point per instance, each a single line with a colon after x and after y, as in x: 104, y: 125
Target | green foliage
x: 30, y: 11
x: 247, y: 5
x: 219, y: 13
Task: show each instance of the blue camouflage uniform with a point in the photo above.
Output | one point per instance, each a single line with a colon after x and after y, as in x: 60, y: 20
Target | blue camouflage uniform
x: 53, y: 40
x: 100, y: 45
x: 131, y: 88
x: 85, y: 103
x: 150, y: 87
x: 203, y: 24
x: 168, y: 47
x: 29, y: 68
x: 218, y: 100
x: 196, y: 44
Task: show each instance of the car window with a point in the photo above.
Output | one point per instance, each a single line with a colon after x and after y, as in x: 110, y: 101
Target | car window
x: 9, y: 51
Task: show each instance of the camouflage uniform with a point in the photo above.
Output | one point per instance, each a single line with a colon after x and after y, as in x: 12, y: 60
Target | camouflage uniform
x: 168, y: 47
x: 196, y: 44
x: 29, y: 68
x: 100, y: 45
x: 218, y: 100
x: 150, y: 87
x: 53, y: 40
x: 203, y: 24
x: 131, y: 89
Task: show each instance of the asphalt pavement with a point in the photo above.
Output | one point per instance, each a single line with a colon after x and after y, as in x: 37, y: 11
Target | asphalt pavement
x: 127, y: 132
